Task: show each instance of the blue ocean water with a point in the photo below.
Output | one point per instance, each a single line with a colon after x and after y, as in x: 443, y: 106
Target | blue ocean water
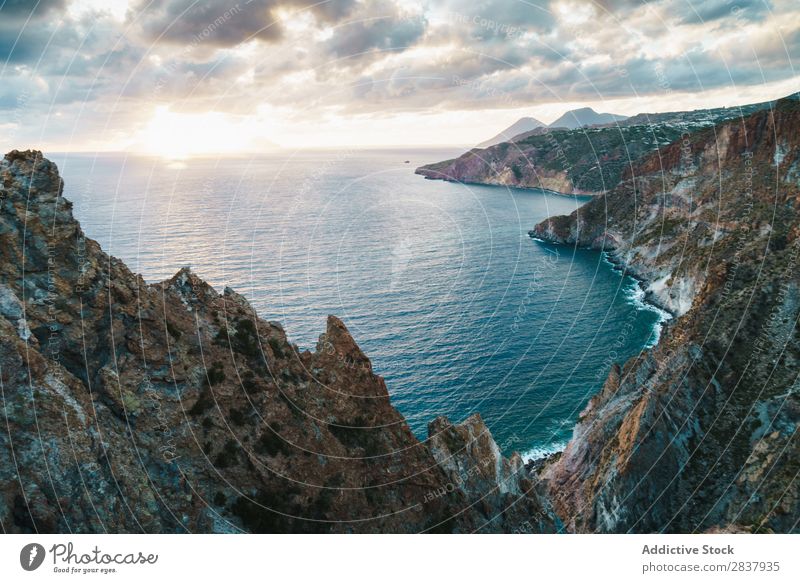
x: 438, y: 282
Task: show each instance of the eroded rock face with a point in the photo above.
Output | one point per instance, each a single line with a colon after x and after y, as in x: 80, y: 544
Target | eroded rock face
x: 474, y: 465
x: 130, y: 407
x: 700, y: 432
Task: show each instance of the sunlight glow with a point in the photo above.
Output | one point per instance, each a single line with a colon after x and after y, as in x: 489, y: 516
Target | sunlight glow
x: 178, y: 136
x: 116, y: 8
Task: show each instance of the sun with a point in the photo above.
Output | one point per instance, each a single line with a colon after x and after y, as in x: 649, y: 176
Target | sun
x: 179, y: 136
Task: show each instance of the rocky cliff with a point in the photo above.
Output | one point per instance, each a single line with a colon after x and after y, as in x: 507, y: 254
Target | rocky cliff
x: 578, y: 161
x: 699, y: 433
x: 581, y: 161
x: 130, y: 407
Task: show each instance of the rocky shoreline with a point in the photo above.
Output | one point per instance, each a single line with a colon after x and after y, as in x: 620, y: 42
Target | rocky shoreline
x: 618, y: 264
x: 433, y: 175
x: 698, y: 434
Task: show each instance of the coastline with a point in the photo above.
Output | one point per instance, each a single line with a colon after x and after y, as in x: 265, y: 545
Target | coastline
x: 520, y: 187
x: 538, y: 456
x: 644, y: 283
x: 619, y: 265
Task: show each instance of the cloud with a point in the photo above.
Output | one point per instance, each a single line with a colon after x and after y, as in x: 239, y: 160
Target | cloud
x: 694, y: 12
x: 382, y: 27
x: 25, y: 10
x: 226, y: 23
x: 378, y: 57
x: 499, y: 19
x: 26, y: 27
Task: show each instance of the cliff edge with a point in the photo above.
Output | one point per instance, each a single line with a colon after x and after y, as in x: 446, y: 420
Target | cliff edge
x: 169, y: 407
x: 699, y: 433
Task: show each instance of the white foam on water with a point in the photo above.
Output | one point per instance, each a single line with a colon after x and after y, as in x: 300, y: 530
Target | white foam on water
x: 636, y: 296
x: 541, y: 451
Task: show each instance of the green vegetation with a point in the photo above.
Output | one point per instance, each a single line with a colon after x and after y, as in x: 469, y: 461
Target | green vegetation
x: 595, y: 159
x: 173, y: 331
x: 204, y: 402
x: 229, y: 456
x: 246, y: 338
x: 238, y: 417
x: 216, y: 374
x: 249, y: 383
x: 271, y: 444
x: 276, y: 346
x: 358, y: 435
x: 265, y: 512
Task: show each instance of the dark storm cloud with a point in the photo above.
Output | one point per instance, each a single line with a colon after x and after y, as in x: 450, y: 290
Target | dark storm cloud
x: 226, y: 23
x: 19, y: 45
x: 219, y: 22
x: 333, y: 10
x: 620, y: 6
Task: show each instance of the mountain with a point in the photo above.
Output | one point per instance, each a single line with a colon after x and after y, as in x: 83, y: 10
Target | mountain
x: 583, y: 117
x: 521, y: 126
x: 579, y: 161
x: 169, y: 407
x: 699, y: 433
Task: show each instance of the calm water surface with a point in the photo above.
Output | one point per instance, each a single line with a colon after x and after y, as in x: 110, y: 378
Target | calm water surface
x: 438, y: 282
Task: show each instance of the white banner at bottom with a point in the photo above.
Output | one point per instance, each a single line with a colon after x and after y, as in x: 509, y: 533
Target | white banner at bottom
x: 356, y: 558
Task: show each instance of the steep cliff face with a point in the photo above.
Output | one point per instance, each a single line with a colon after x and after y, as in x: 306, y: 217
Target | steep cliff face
x: 700, y: 432
x: 130, y: 407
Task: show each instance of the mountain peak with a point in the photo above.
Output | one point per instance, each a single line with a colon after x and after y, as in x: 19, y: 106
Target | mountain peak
x: 521, y: 126
x: 585, y: 116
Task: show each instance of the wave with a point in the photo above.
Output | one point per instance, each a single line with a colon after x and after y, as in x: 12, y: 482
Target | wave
x: 541, y: 451
x: 636, y: 296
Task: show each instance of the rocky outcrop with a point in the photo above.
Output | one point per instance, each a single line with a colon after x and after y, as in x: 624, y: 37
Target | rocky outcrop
x: 493, y: 482
x: 700, y: 433
x: 169, y: 407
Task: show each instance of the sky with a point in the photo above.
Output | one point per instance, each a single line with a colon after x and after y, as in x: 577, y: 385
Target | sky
x: 190, y: 77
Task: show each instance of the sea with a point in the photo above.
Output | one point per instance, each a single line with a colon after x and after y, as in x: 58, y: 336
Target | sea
x: 438, y: 282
